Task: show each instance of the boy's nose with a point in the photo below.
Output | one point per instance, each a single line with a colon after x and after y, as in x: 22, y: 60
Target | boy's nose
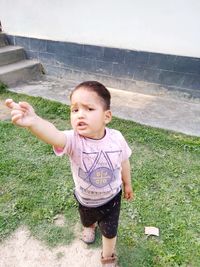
x: 81, y: 114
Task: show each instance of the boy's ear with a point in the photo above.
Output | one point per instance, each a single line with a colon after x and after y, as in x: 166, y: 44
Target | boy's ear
x: 108, y: 116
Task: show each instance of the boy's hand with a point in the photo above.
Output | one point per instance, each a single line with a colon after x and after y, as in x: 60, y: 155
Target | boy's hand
x: 126, y: 178
x: 22, y: 113
x: 128, y: 192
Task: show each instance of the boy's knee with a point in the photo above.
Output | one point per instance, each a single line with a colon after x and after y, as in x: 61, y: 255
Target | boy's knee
x: 109, y: 234
x: 109, y: 230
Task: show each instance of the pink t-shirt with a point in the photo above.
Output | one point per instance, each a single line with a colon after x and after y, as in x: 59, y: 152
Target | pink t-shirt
x: 96, y: 165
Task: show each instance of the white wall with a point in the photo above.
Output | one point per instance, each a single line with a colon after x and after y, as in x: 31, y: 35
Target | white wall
x: 170, y: 26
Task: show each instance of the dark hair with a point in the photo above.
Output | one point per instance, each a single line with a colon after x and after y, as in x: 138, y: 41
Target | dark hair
x: 98, y: 88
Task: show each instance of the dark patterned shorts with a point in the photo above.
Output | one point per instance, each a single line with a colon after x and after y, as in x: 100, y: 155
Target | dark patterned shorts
x: 106, y: 215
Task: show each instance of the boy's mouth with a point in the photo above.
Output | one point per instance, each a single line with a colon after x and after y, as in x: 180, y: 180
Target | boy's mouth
x: 81, y: 124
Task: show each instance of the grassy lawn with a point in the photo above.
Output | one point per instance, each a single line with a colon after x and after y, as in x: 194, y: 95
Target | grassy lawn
x: 35, y: 186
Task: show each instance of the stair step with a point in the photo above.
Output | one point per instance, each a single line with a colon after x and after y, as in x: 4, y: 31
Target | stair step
x: 11, y: 54
x: 21, y: 72
x: 3, y: 40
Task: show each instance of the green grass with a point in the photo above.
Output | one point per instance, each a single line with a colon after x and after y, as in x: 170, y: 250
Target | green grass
x: 35, y: 186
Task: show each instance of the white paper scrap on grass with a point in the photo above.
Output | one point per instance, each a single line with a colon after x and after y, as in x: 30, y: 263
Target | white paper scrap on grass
x: 149, y: 230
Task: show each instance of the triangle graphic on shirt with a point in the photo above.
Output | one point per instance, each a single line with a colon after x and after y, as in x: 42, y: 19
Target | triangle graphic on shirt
x: 89, y: 160
x: 113, y: 157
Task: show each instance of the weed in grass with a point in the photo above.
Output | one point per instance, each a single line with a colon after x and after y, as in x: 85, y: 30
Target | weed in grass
x: 3, y: 87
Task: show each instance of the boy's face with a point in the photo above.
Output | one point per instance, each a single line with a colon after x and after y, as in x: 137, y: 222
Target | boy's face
x: 88, y: 116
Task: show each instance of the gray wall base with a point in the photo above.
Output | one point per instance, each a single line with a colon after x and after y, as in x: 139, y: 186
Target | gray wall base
x: 119, y: 68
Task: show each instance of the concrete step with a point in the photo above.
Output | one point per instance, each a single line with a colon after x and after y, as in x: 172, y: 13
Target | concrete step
x: 20, y: 72
x: 3, y: 40
x: 11, y: 54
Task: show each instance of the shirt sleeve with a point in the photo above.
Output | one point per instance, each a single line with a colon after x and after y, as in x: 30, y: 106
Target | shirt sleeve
x: 126, y: 151
x: 68, y: 148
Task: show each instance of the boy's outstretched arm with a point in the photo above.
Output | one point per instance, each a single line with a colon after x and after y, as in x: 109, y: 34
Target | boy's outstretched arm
x: 23, y: 115
x: 126, y: 178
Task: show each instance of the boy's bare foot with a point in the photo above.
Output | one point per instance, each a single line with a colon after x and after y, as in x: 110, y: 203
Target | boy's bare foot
x: 109, y: 261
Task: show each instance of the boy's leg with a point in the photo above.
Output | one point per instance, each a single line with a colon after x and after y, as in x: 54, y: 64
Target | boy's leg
x: 108, y: 246
x: 108, y: 226
x: 108, y: 256
x: 88, y: 220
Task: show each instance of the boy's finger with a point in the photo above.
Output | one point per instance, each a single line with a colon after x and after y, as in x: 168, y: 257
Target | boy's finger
x: 16, y: 118
x: 11, y: 104
x: 8, y: 102
x: 128, y: 196
x: 25, y: 105
x: 16, y: 112
x: 131, y: 196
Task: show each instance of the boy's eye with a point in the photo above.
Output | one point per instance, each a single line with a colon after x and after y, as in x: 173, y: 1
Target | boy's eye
x: 74, y: 110
x: 90, y: 109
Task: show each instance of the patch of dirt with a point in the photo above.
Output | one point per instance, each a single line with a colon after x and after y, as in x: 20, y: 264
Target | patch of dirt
x: 59, y: 220
x: 23, y: 250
